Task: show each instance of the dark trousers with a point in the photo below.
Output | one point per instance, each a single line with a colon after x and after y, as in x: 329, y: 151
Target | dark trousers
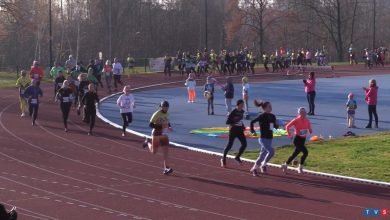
x: 299, y: 143
x: 235, y: 132
x: 33, y: 111
x: 127, y: 119
x: 310, y: 99
x: 372, y: 111
x: 99, y: 79
x: 167, y: 70
x: 117, y: 79
x: 210, y: 104
x: 90, y: 115
x: 65, y: 109
x: 266, y: 66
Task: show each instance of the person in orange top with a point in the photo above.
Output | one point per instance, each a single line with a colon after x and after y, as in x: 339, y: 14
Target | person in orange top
x: 36, y: 71
x: 302, y: 128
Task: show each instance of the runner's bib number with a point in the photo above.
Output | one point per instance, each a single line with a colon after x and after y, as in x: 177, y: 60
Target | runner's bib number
x: 34, y: 101
x: 303, y: 133
x: 85, y: 91
x: 65, y: 99
x: 271, y: 126
x: 77, y: 83
x: 36, y: 76
x: 22, y: 91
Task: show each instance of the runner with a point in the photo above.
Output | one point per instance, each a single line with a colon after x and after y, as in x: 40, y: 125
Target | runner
x: 245, y: 94
x: 117, y: 70
x: 191, y: 87
x: 22, y: 83
x: 58, y: 82
x: 54, y: 72
x: 33, y: 93
x: 65, y: 96
x: 302, y: 127
x: 89, y: 100
x: 126, y: 105
x: 267, y: 122
x: 310, y: 90
x: 160, y: 124
x: 107, y: 69
x: 36, y: 72
x: 209, y: 94
x: 83, y: 89
x: 236, y: 130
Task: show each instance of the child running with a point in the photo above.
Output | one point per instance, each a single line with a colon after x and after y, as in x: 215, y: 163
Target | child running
x: 302, y: 128
x: 161, y: 125
x: 22, y: 83
x: 33, y: 93
x: 191, y: 87
x: 209, y: 94
x: 65, y: 97
x: 245, y: 94
x: 126, y: 105
x: 351, y: 107
x: 267, y: 122
x: 236, y: 130
x: 89, y: 100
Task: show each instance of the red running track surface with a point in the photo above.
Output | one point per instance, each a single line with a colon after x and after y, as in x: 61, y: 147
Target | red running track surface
x: 50, y: 174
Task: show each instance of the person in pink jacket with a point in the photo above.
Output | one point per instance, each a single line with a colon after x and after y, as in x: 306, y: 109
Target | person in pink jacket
x: 302, y: 128
x: 310, y: 90
x: 371, y: 100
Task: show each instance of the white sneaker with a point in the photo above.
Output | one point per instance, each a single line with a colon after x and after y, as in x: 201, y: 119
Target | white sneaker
x: 284, y: 167
x: 300, y: 168
x: 23, y: 114
x: 263, y: 169
x: 123, y: 134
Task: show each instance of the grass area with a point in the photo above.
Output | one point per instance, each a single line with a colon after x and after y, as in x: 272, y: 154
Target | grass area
x: 363, y: 157
x: 7, y: 79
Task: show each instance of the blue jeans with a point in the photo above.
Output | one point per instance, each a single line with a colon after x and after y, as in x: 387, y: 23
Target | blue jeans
x: 266, y: 151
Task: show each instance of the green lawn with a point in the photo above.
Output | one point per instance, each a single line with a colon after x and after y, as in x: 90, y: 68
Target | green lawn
x: 7, y: 80
x: 363, y: 157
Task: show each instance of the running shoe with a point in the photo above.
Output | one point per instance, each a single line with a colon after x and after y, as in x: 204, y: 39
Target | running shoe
x: 146, y: 142
x: 223, y: 163
x: 167, y: 171
x: 284, y: 167
x: 300, y: 168
x: 23, y: 114
x: 123, y: 134
x: 66, y: 130
x: 263, y: 169
x: 238, y: 160
x: 253, y: 171
x: 90, y: 133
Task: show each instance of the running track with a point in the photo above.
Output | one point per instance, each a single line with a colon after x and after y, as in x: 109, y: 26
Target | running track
x: 49, y: 174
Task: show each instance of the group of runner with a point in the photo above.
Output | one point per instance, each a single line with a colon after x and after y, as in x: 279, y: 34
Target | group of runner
x: 82, y: 91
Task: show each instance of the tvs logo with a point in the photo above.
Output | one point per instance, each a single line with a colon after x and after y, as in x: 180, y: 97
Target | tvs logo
x: 376, y: 212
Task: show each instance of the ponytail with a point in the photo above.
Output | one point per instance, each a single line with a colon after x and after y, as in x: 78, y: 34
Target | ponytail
x: 262, y: 104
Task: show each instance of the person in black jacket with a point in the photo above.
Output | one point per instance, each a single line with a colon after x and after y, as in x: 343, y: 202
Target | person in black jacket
x: 236, y: 130
x: 89, y: 100
x: 267, y: 122
x: 65, y: 96
x: 229, y: 94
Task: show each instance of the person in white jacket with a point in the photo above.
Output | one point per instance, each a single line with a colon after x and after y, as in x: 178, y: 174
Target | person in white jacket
x: 191, y: 86
x: 126, y: 104
x: 117, y: 70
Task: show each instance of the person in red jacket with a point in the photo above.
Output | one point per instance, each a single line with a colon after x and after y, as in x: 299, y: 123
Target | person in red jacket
x: 302, y: 128
x: 371, y: 100
x: 310, y: 90
x: 36, y: 71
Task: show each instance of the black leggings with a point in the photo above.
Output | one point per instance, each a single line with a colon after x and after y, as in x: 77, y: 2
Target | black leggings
x: 299, y: 143
x: 235, y: 132
x: 90, y: 115
x: 65, y: 108
x: 127, y: 119
x: 310, y: 99
x: 117, y: 79
x: 210, y: 104
x: 372, y: 111
x: 33, y: 111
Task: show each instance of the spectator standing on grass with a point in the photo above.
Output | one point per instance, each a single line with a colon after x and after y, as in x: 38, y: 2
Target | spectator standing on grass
x: 117, y: 70
x: 351, y: 107
x: 310, y: 90
x: 22, y: 83
x: 371, y: 100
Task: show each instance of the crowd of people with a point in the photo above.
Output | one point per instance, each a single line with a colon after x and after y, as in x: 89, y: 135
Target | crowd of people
x: 77, y: 86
